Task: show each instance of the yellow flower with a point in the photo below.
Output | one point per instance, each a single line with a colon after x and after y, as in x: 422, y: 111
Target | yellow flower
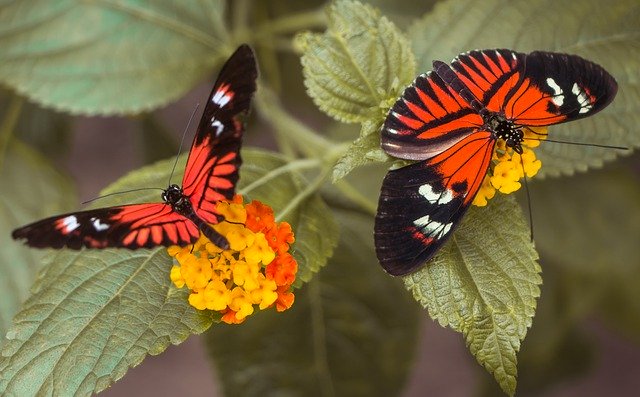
x: 237, y: 281
x: 241, y: 303
x: 176, y: 276
x: 259, y: 251
x: 507, y: 167
x: 505, y: 177
x: 486, y: 192
x: 534, y: 135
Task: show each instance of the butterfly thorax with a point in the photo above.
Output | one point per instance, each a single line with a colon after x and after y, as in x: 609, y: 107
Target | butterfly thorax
x: 506, y: 130
x: 174, y: 196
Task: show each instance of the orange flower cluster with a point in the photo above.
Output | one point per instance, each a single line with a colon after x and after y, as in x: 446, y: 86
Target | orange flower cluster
x: 506, y: 167
x: 255, y: 272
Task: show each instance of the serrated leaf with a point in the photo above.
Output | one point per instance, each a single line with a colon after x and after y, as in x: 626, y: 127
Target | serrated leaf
x: 115, y: 56
x: 95, y: 313
x: 360, y: 61
x: 351, y: 332
x: 606, y: 33
x: 32, y: 189
x: 364, y: 150
x: 484, y: 284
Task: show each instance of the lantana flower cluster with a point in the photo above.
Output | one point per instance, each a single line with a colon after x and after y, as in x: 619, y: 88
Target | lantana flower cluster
x: 508, y: 167
x: 256, y: 272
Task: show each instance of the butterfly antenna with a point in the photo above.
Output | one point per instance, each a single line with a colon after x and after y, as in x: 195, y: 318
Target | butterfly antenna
x: 182, y: 141
x: 579, y: 143
x: 122, y: 192
x: 526, y: 189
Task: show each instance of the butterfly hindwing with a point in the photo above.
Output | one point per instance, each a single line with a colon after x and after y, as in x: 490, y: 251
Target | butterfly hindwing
x: 421, y: 204
x: 129, y: 226
x: 211, y: 172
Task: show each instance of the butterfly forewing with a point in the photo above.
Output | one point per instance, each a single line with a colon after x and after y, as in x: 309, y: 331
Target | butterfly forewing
x: 538, y: 89
x: 129, y: 226
x: 211, y: 172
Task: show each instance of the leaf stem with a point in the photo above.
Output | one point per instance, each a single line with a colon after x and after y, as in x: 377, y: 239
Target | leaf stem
x: 9, y: 124
x: 353, y: 194
x: 293, y: 23
x: 307, y: 140
x: 274, y: 173
x: 304, y: 194
x: 319, y: 338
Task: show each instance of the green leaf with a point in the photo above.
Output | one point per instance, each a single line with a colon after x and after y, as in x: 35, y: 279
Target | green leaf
x: 109, y: 57
x: 107, y: 309
x: 606, y: 33
x: 32, y: 189
x: 94, y: 314
x: 351, y: 332
x: 362, y: 151
x: 358, y: 63
x: 484, y: 284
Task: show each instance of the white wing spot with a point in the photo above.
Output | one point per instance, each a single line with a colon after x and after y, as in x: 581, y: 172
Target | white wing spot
x: 558, y: 98
x: 583, y: 100
x: 435, y: 198
x: 70, y: 223
x: 432, y: 228
x: 99, y: 226
x: 221, y: 98
x: 219, y: 126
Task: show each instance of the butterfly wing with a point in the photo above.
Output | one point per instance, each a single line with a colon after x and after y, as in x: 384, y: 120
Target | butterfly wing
x: 429, y: 117
x: 129, y: 226
x: 421, y: 204
x: 212, y: 168
x: 536, y: 89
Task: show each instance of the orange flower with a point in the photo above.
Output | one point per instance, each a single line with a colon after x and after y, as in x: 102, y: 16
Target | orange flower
x: 280, y: 237
x: 259, y: 216
x: 282, y: 270
x: 255, y: 273
x: 285, y: 299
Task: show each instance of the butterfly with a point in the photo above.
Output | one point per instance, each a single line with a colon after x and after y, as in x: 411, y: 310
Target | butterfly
x: 450, y: 120
x: 210, y: 175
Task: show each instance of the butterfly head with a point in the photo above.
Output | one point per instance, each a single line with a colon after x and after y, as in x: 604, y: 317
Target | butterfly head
x: 508, y: 131
x: 173, y: 195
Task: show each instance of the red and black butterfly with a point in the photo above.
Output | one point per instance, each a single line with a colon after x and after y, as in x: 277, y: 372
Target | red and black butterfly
x: 451, y: 119
x: 210, y: 176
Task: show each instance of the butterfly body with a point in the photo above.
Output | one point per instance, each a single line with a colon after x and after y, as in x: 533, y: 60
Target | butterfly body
x: 450, y: 120
x: 210, y: 175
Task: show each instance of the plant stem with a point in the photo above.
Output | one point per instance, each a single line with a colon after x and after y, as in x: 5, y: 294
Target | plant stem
x: 293, y: 23
x: 8, y: 125
x: 353, y: 194
x: 307, y: 140
x: 304, y: 194
x: 290, y: 167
